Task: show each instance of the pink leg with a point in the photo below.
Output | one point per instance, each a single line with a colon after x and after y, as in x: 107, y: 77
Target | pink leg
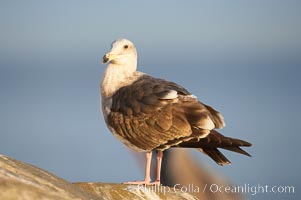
x: 147, y: 180
x: 159, y: 161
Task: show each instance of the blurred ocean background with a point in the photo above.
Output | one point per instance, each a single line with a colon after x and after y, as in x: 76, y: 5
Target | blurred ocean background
x: 241, y: 57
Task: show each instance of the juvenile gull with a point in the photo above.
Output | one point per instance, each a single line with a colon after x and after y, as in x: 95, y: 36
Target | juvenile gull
x: 147, y: 113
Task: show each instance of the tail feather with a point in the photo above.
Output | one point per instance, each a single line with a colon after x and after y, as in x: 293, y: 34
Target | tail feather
x: 210, y: 144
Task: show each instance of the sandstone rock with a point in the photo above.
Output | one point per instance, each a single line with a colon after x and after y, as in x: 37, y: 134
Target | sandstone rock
x: 19, y: 180
x: 134, y: 192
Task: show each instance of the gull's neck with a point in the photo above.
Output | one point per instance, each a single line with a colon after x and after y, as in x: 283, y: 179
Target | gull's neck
x: 117, y: 76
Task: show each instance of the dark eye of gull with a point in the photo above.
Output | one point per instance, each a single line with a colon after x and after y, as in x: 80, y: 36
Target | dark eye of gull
x: 126, y: 46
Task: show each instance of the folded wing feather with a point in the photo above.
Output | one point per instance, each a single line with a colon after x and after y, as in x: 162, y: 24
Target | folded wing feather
x: 157, y: 114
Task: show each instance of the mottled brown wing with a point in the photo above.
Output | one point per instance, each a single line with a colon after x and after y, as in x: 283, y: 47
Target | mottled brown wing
x: 156, y: 114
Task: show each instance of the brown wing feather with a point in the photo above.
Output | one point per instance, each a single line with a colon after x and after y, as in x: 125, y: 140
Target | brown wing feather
x: 148, y: 117
x: 139, y: 115
x: 217, y: 117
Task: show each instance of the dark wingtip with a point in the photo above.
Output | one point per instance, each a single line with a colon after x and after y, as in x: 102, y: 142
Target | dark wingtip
x: 246, y: 144
x: 224, y: 163
x: 237, y: 150
x: 217, y: 156
x: 239, y: 142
